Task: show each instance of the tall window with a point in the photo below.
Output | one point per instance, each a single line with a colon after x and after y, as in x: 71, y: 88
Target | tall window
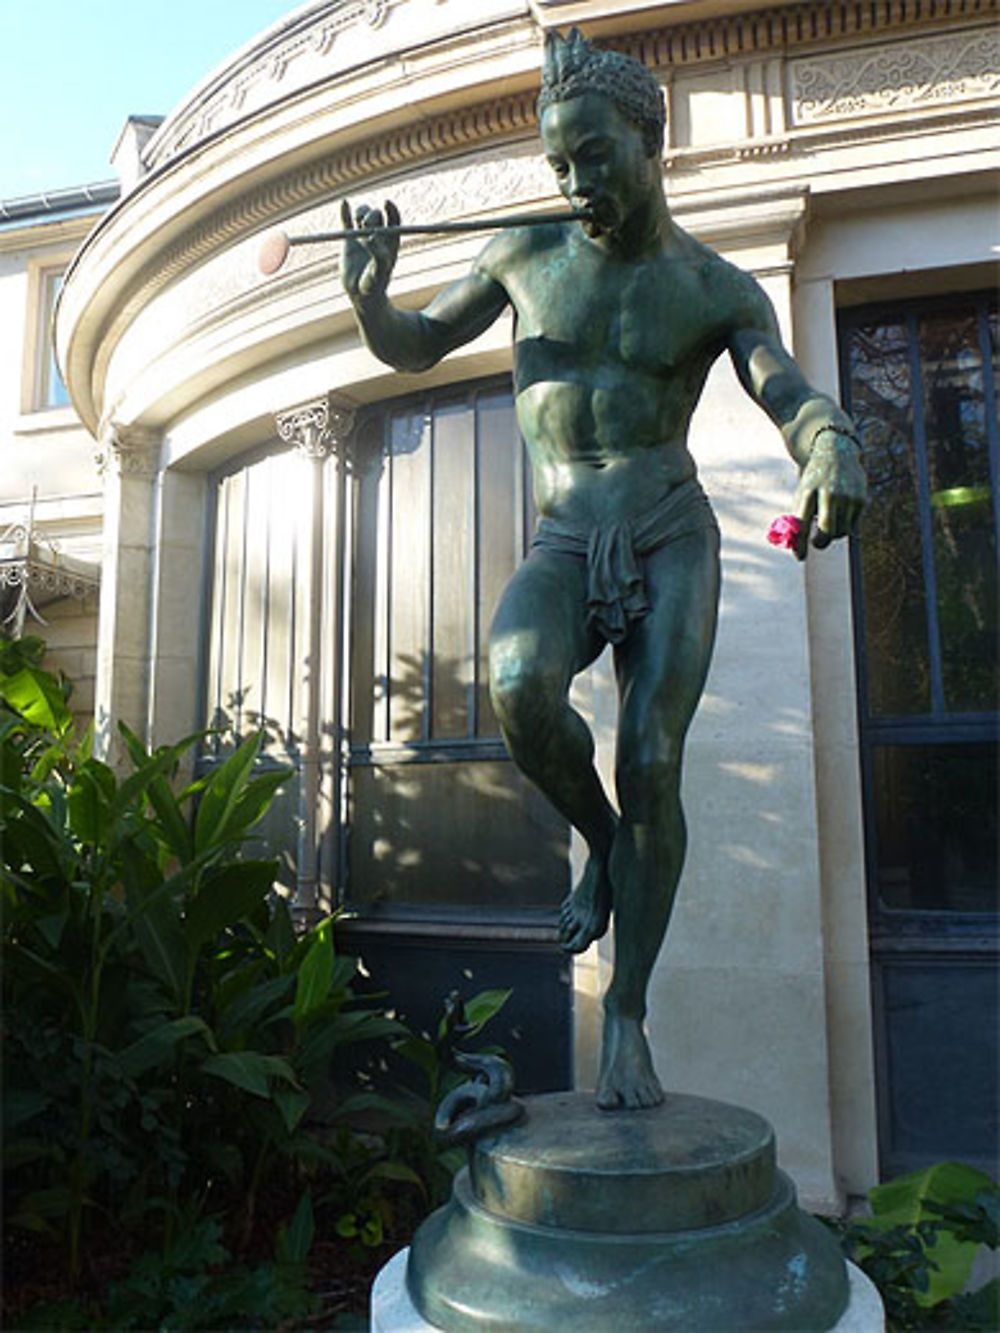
x: 49, y: 388
x: 434, y: 813
x: 439, y: 815
x: 449, y: 865
x: 921, y: 380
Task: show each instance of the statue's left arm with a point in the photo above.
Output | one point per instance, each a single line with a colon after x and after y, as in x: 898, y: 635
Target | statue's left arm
x: 818, y: 433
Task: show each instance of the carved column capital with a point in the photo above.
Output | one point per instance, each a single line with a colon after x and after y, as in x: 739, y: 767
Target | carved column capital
x: 129, y: 450
x: 317, y: 427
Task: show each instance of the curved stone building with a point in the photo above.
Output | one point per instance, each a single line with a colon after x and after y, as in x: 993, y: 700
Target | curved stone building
x: 293, y: 532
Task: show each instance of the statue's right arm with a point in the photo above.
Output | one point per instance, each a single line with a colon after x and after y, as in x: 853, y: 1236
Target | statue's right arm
x: 411, y: 340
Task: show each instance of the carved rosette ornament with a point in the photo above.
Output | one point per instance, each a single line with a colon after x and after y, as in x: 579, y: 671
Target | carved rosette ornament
x: 318, y: 427
x: 129, y: 450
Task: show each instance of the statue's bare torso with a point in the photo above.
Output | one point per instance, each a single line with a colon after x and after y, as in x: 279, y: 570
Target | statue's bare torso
x: 610, y: 358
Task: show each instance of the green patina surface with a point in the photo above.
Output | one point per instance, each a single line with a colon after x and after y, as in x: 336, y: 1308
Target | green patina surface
x: 676, y: 1219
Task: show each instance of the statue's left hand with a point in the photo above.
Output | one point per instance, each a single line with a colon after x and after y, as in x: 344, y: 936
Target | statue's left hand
x: 832, y: 490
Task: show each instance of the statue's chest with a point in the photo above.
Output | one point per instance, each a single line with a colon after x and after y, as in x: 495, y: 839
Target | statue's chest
x: 646, y: 316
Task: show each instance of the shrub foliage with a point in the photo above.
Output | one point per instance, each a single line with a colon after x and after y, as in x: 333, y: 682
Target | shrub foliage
x: 175, y: 1136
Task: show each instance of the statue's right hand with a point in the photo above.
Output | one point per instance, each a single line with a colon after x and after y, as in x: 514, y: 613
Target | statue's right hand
x: 368, y: 261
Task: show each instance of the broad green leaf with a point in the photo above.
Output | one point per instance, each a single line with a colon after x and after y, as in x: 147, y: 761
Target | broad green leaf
x: 391, y: 1170
x: 249, y: 1070
x: 901, y: 1202
x: 480, y: 1009
x: 29, y: 839
x: 226, y: 896
x: 224, y: 788
x: 255, y: 800
x: 49, y: 759
x: 51, y: 927
x: 293, y: 1104
x: 395, y: 1110
x: 296, y: 1240
x: 85, y: 745
x: 137, y: 784
x: 980, y: 1309
x: 315, y: 973
x: 90, y: 800
x: 418, y: 1052
x: 281, y: 938
x: 154, y: 1047
x: 28, y: 650
x: 322, y: 1037
x: 157, y: 927
x: 11, y: 760
x: 37, y: 695
x: 249, y: 1007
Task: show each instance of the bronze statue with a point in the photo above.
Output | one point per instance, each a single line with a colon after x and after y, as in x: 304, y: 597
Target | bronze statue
x: 619, y: 318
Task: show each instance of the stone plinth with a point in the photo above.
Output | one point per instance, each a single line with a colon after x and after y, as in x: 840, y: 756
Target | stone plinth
x: 672, y: 1218
x: 393, y: 1311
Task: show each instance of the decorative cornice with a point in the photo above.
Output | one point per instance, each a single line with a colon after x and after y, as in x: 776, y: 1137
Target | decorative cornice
x: 777, y: 31
x: 129, y: 450
x: 765, y: 31
x: 227, y: 103
x: 317, y: 427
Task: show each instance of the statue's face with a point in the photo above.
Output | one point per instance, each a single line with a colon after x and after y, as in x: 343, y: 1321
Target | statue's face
x: 598, y: 158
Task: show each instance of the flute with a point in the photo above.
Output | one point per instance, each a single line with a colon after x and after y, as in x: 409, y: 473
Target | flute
x: 274, y: 248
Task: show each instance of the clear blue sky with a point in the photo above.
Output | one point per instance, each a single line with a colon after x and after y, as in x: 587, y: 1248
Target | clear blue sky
x: 71, y: 71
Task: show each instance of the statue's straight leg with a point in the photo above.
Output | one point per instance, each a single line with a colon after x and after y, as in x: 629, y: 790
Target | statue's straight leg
x: 661, y: 669
x: 538, y: 642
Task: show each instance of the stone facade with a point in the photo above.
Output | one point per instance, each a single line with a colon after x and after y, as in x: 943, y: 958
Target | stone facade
x: 822, y: 146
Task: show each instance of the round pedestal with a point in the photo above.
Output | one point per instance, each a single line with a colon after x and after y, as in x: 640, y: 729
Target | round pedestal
x: 670, y: 1218
x: 393, y: 1311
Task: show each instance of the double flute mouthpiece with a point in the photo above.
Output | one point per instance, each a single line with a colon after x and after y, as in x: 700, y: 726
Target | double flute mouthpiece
x: 274, y: 249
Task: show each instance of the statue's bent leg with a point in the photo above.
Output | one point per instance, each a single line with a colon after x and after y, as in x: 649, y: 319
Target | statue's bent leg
x: 538, y: 642
x: 661, y: 671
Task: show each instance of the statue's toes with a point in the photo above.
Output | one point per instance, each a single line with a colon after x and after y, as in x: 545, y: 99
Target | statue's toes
x: 608, y: 1099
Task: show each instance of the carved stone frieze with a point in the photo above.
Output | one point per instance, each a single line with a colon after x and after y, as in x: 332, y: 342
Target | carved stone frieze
x: 131, y: 450
x: 317, y: 427
x: 896, y: 76
x: 253, y: 81
x: 462, y: 190
x: 289, y: 58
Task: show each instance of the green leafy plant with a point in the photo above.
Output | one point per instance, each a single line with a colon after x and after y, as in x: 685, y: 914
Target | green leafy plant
x: 919, y: 1243
x: 180, y: 1120
x: 405, y: 1110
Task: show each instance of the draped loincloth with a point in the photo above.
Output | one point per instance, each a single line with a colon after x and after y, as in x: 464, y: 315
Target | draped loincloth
x: 616, y: 588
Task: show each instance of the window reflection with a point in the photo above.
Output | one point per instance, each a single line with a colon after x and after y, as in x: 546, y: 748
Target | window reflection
x: 896, y: 648
x: 921, y: 384
x: 51, y: 391
x: 936, y: 827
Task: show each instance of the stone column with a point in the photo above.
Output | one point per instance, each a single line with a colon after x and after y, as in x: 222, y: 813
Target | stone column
x: 128, y: 460
x: 180, y: 584
x: 314, y: 429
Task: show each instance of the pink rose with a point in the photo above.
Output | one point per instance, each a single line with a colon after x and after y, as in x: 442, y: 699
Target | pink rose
x: 784, y: 531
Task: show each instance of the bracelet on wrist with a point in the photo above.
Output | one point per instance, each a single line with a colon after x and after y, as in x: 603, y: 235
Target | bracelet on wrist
x: 843, y: 433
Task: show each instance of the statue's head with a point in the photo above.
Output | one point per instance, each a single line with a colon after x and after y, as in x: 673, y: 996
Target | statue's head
x: 572, y: 67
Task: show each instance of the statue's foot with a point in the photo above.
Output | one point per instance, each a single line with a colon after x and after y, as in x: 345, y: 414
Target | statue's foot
x: 585, y: 913
x: 627, y: 1079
